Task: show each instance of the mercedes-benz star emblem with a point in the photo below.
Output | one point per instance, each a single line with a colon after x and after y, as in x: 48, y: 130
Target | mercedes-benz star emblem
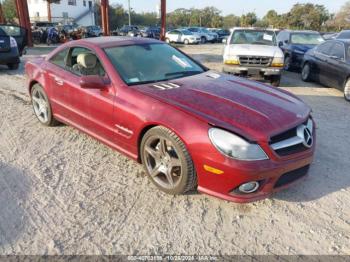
x: 308, y: 139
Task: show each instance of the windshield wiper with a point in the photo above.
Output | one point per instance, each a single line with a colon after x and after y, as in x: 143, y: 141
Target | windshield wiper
x: 183, y: 73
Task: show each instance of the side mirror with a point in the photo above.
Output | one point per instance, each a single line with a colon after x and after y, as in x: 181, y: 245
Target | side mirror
x: 93, y: 82
x: 280, y: 44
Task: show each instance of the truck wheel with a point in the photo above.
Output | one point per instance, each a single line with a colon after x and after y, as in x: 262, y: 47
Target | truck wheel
x: 186, y: 42
x: 347, y: 90
x: 167, y: 40
x: 13, y: 66
x: 305, y: 73
x: 203, y: 40
x: 287, y: 63
x: 276, y: 81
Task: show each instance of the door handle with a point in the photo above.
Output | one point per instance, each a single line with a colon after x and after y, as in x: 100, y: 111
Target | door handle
x: 59, y: 81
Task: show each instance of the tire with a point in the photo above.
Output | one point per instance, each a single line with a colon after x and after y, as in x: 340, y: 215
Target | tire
x: 203, y: 40
x: 347, y: 90
x: 186, y: 42
x: 13, y: 66
x: 170, y: 162
x: 305, y: 73
x: 287, y: 65
x: 167, y: 40
x: 276, y: 81
x: 38, y: 93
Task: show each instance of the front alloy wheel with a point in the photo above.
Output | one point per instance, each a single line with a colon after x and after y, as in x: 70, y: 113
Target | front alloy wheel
x: 42, y: 107
x: 347, y: 90
x: 167, y: 161
x: 305, y: 73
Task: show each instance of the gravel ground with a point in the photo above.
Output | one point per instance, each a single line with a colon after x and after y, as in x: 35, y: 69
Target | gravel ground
x: 62, y: 192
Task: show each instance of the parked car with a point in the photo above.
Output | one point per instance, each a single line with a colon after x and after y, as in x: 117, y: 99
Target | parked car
x: 345, y: 34
x: 9, y: 54
x: 43, y: 25
x: 329, y: 64
x: 150, y: 32
x: 329, y: 35
x: 182, y: 36
x: 223, y: 34
x: 190, y: 127
x: 19, y: 34
x: 251, y: 52
x: 295, y: 44
x: 204, y: 34
x: 128, y: 30
x: 92, y: 31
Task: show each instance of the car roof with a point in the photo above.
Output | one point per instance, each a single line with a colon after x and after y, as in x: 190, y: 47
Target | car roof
x: 301, y: 31
x: 111, y: 41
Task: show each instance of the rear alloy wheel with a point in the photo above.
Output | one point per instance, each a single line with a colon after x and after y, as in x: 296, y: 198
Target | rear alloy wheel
x: 347, y: 90
x: 42, y: 107
x: 167, y: 40
x: 167, y: 161
x: 203, y: 40
x: 186, y: 42
x: 305, y: 73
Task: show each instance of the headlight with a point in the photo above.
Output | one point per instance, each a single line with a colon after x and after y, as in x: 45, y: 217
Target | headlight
x: 236, y: 147
x: 232, y: 60
x: 277, y: 62
x: 299, y: 52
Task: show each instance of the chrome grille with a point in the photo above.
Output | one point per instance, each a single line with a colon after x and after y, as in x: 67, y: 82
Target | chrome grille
x: 255, y: 60
x: 295, y: 140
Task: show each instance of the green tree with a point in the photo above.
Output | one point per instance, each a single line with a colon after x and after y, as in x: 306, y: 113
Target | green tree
x: 249, y: 19
x: 230, y: 21
x: 10, y: 13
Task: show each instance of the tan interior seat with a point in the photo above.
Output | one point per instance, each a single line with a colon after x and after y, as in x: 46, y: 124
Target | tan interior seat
x: 87, y: 64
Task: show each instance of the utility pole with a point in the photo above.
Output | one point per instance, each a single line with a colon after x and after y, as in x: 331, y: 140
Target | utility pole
x: 129, y: 13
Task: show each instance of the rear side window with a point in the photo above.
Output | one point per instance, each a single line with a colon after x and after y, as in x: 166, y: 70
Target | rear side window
x: 338, y: 51
x: 60, y: 58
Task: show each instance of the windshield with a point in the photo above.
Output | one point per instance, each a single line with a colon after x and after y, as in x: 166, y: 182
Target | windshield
x: 150, y: 63
x: 253, y: 37
x: 344, y: 35
x: 306, y: 39
x: 186, y: 32
x: 11, y: 30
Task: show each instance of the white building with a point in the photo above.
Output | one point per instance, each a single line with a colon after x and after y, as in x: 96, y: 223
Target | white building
x: 81, y: 12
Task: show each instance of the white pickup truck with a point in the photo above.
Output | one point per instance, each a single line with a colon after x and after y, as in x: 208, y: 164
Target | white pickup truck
x: 251, y: 52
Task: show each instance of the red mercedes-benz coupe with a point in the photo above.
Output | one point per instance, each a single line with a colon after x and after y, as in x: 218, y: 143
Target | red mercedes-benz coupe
x: 189, y: 126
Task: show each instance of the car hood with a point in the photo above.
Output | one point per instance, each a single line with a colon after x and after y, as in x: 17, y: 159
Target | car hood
x: 302, y: 48
x: 255, y: 50
x: 251, y: 109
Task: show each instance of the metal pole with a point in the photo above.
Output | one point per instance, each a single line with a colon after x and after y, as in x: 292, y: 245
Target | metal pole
x: 129, y: 13
x: 104, y: 17
x: 49, y: 11
x: 26, y: 23
x: 163, y: 19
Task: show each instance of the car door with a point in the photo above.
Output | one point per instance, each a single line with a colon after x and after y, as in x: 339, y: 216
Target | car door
x: 336, y: 65
x: 56, y: 72
x: 91, y: 109
x: 320, y: 66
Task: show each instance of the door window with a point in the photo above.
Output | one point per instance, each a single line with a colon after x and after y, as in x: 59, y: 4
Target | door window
x: 60, y: 58
x: 82, y: 61
x: 338, y: 51
x: 325, y: 48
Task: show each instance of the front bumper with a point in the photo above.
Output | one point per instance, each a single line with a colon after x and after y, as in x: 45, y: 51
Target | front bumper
x: 273, y: 175
x: 253, y: 71
x: 11, y: 57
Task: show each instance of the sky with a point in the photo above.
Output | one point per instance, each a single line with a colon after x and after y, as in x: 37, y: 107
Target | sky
x: 237, y: 7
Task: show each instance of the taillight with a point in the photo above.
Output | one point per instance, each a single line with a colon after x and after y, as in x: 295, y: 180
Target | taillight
x: 13, y: 42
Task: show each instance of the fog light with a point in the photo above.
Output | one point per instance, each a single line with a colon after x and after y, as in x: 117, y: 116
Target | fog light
x: 249, y: 187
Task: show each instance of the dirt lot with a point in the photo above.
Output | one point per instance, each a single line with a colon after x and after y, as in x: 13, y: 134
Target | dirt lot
x: 62, y: 192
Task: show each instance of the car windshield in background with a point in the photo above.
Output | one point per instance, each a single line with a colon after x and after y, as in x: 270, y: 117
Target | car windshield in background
x: 11, y: 30
x: 253, y: 37
x: 186, y: 32
x: 151, y: 63
x: 344, y: 35
x: 306, y: 39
